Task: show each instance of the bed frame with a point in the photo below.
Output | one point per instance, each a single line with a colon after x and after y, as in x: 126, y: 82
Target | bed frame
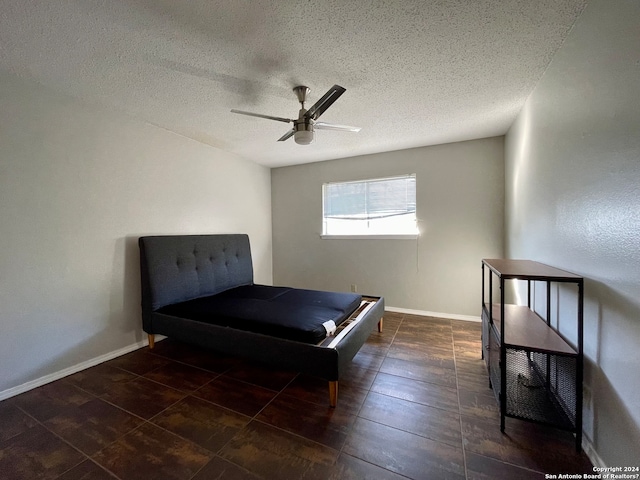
x: 177, y: 268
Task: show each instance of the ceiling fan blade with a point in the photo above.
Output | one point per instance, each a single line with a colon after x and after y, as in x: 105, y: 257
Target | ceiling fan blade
x: 268, y: 117
x: 287, y: 135
x: 333, y: 126
x: 325, y: 102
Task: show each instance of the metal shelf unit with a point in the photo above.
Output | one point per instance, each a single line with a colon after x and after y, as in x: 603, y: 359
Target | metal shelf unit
x: 535, y: 373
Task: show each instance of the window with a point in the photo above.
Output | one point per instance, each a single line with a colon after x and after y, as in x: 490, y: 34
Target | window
x: 381, y: 206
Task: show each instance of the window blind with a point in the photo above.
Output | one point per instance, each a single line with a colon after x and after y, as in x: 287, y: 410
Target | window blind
x: 370, y: 199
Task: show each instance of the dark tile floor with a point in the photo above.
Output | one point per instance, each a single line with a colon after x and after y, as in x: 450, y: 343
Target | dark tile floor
x: 414, y: 404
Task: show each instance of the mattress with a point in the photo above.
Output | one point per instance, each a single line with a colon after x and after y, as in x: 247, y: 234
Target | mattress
x: 307, y: 316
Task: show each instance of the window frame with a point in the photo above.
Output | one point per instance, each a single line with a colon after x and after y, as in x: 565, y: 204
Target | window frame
x: 369, y: 236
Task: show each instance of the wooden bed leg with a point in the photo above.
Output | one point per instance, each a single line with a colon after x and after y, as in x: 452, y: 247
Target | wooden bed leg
x: 151, y: 340
x: 333, y: 394
x: 380, y: 325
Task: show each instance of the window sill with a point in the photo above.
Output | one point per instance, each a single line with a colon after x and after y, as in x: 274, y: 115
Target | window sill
x: 410, y: 236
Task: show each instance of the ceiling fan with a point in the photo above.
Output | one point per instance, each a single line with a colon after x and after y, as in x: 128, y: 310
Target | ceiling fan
x: 304, y: 127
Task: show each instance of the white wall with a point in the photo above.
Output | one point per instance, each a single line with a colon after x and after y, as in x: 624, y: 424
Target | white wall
x: 573, y: 201
x: 460, y: 198
x: 78, y: 185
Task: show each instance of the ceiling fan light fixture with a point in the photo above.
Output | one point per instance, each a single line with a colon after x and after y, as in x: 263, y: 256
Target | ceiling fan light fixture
x: 303, y: 137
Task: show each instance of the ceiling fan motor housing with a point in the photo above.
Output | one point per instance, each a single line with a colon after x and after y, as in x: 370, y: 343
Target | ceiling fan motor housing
x: 303, y: 129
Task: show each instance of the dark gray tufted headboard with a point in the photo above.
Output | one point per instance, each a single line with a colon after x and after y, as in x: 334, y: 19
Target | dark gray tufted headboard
x: 176, y: 268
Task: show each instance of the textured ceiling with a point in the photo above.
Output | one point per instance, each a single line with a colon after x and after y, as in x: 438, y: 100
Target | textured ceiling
x: 417, y: 72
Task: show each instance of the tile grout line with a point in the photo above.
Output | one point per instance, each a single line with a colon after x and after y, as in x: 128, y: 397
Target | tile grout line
x: 411, y: 433
x: 86, y: 457
x: 455, y: 364
x: 95, y: 397
x: 253, y: 418
x: 463, y: 415
x: 149, y: 420
x: 368, y: 390
x: 186, y: 394
x: 250, y: 419
x: 357, y: 414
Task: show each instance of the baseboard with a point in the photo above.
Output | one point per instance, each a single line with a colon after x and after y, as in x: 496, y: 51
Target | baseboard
x: 424, y: 313
x: 52, y: 377
x: 590, y: 452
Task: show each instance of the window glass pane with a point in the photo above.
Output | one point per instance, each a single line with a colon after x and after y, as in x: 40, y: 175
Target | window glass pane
x: 343, y: 200
x: 370, y: 207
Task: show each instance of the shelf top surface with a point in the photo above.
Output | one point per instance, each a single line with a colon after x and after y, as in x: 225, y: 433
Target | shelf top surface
x: 528, y: 269
x: 525, y: 328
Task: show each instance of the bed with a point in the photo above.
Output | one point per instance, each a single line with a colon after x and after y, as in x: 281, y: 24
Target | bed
x: 199, y: 289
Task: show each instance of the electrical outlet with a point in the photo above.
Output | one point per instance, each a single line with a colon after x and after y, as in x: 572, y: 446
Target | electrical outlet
x: 354, y: 287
